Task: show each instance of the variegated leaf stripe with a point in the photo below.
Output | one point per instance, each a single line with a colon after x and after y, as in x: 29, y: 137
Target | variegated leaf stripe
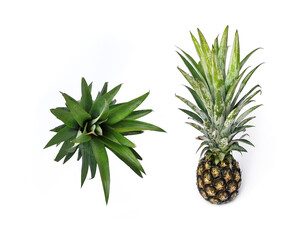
x: 234, y: 64
x: 218, y: 83
x: 204, y: 59
x: 201, y: 90
x: 231, y: 92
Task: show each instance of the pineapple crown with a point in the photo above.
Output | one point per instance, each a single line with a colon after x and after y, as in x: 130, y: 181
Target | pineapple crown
x: 218, y: 111
x: 92, y: 126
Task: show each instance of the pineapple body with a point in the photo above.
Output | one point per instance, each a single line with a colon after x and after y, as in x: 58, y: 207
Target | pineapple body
x: 218, y: 183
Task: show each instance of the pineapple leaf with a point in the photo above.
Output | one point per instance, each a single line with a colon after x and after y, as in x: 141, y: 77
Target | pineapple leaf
x: 234, y: 64
x: 242, y: 128
x: 86, y: 99
x: 222, y: 53
x: 194, y: 108
x: 202, y: 144
x: 90, y: 86
x: 138, y: 114
x: 88, y: 157
x: 64, y: 149
x: 84, y: 168
x: 122, y: 111
x: 58, y: 128
x: 199, y: 70
x: 111, y: 134
x: 65, y: 116
x: 195, y: 75
x: 237, y: 147
x: 242, y: 63
x: 245, y: 121
x: 104, y: 89
x: 218, y: 83
x: 99, y: 110
x: 101, y: 157
x: 79, y: 154
x: 79, y: 114
x: 124, y: 152
x: 244, y: 135
x: 216, y: 45
x: 231, y: 92
x: 216, y: 71
x: 197, y: 99
x: 63, y: 135
x: 196, y: 126
x: 131, y: 133
x: 134, y: 125
x: 192, y: 115
x: 111, y: 94
x: 243, y: 83
x: 197, y: 86
x: 203, y: 60
x: 136, y: 154
x: 204, y: 150
x: 82, y: 138
x: 247, y: 112
x: 129, y: 164
x: 68, y: 156
x: 245, y: 97
x: 244, y: 141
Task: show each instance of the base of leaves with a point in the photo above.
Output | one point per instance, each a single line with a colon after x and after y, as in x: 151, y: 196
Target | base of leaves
x: 218, y: 183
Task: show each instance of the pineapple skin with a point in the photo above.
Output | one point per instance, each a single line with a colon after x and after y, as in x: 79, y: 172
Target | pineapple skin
x: 218, y: 183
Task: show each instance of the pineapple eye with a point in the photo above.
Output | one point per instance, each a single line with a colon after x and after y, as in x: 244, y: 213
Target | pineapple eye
x: 219, y: 184
x: 207, y: 177
x: 203, y: 194
x: 215, y: 172
x: 200, y: 182
x: 214, y: 200
x: 237, y: 175
x: 232, y: 186
x: 210, y: 191
x: 223, y: 196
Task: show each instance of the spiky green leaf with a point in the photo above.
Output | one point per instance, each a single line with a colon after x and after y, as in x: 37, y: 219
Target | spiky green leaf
x: 122, y: 111
x: 123, y: 151
x: 79, y: 114
x: 242, y: 63
x: 63, y: 135
x: 111, y: 134
x: 101, y: 157
x: 199, y: 112
x: 197, y: 99
x: 134, y: 125
x: 243, y: 83
x: 192, y: 115
x: 58, y: 128
x: 65, y: 116
x: 138, y: 114
x: 86, y: 98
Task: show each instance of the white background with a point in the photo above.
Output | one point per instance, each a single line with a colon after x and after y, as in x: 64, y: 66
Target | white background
x: 47, y: 46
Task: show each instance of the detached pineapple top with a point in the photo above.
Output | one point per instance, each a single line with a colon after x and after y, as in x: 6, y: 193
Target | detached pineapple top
x: 218, y: 113
x: 90, y: 126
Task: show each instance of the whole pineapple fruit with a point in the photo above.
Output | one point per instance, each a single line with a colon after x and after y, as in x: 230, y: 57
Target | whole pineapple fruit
x: 91, y: 125
x: 218, y: 113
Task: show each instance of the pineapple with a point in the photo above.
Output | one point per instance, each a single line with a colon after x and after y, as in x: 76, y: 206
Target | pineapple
x: 219, y: 113
x: 90, y: 126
